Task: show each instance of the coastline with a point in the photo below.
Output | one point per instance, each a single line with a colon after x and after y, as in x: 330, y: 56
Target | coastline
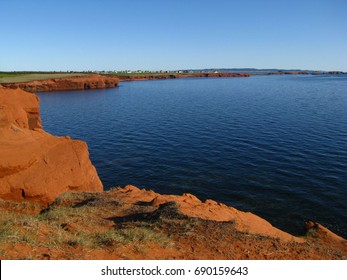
x: 99, y: 81
x: 69, y: 83
x: 96, y: 81
x: 128, y: 208
x: 180, y: 76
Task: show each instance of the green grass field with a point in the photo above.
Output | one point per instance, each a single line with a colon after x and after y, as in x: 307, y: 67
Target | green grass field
x: 18, y: 77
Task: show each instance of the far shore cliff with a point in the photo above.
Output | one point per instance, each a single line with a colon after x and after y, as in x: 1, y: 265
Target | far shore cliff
x: 81, y: 81
x: 53, y: 207
x: 71, y: 83
x: 96, y: 81
x: 178, y: 76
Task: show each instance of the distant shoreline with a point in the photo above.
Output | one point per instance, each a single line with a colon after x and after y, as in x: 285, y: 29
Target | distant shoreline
x: 10, y: 79
x: 54, y: 205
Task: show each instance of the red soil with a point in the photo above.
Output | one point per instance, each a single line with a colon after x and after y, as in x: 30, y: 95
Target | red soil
x: 73, y: 83
x: 34, y: 165
x: 177, y: 76
x: 131, y: 223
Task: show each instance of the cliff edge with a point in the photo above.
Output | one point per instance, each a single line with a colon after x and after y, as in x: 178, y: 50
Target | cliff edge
x: 34, y: 165
x: 72, y: 83
x: 131, y: 223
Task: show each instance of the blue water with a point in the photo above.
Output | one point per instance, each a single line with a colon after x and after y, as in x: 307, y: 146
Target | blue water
x: 272, y: 145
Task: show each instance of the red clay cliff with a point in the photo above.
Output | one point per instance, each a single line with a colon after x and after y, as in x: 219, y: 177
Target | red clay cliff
x: 98, y: 81
x: 177, y: 76
x: 34, y: 165
x: 130, y: 223
x: 73, y: 83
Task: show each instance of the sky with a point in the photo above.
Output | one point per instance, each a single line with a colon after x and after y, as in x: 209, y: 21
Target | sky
x: 82, y: 35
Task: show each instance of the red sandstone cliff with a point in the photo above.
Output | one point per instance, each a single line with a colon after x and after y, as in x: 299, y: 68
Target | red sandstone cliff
x: 177, y: 76
x: 191, y: 206
x: 73, y: 83
x: 130, y: 223
x: 35, y: 165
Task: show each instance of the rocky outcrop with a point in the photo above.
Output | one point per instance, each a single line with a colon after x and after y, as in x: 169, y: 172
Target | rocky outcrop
x: 335, y: 73
x: 224, y: 75
x: 35, y: 165
x: 73, y: 83
x: 191, y: 206
x: 115, y: 224
x: 289, y: 73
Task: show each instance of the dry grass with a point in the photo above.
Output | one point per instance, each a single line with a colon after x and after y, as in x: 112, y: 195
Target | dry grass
x: 103, y: 226
x: 61, y: 227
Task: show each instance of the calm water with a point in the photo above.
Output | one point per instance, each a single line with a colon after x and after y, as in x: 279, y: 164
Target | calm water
x: 272, y: 145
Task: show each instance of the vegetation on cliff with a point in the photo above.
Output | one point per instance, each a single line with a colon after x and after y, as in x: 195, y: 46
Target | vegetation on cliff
x: 129, y: 224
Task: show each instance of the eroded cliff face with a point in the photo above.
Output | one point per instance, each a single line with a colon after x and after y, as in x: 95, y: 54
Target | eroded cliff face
x: 191, y: 206
x: 115, y: 224
x: 178, y: 76
x: 34, y: 165
x: 73, y: 83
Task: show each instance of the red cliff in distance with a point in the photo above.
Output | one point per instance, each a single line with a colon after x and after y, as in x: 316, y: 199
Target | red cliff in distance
x: 98, y: 81
x: 72, y: 83
x: 34, y: 165
x: 182, y: 75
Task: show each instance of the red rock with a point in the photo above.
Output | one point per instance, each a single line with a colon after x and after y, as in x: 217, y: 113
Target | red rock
x: 191, y: 206
x: 34, y: 165
x: 318, y: 231
x: 176, y: 76
x: 73, y: 83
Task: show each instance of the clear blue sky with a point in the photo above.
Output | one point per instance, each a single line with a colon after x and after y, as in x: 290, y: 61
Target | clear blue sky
x: 177, y: 34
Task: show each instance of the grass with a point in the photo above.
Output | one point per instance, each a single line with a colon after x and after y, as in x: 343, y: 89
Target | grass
x: 135, y: 235
x: 6, y: 231
x: 61, y: 212
x: 15, y: 227
x: 76, y: 225
x: 48, y: 230
x: 108, y: 238
x: 18, y: 77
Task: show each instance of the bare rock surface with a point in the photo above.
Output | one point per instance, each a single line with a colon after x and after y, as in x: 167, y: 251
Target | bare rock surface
x: 131, y: 223
x: 34, y: 165
x: 191, y: 206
